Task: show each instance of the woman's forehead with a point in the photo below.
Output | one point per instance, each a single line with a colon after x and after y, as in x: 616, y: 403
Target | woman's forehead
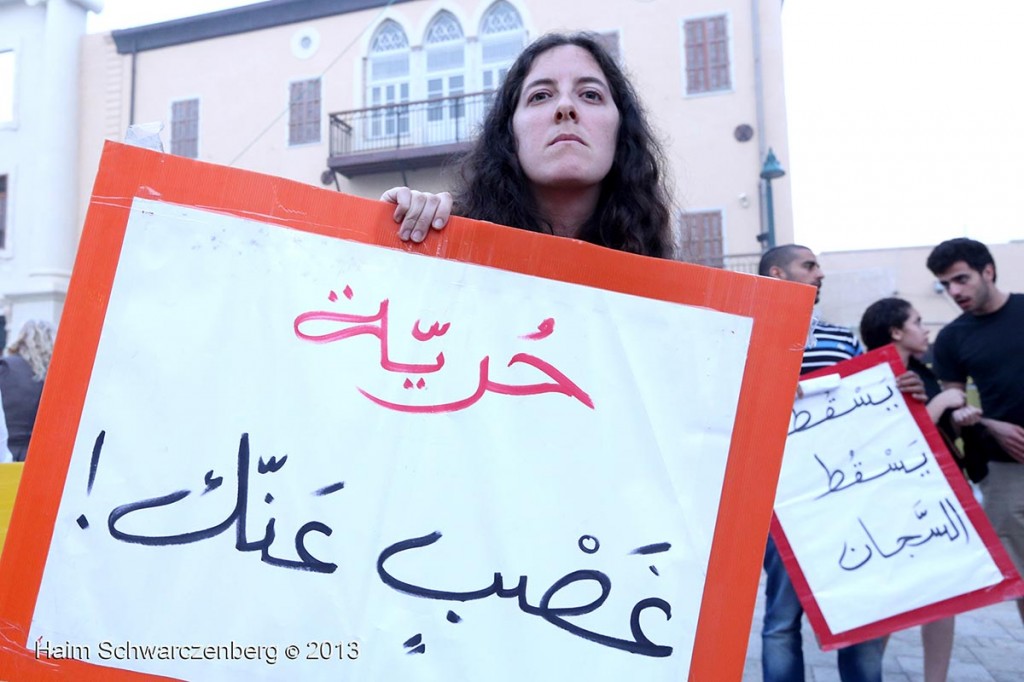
x: 561, y: 59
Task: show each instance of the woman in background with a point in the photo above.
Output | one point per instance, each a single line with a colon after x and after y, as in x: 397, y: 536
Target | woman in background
x: 895, y: 321
x: 21, y: 382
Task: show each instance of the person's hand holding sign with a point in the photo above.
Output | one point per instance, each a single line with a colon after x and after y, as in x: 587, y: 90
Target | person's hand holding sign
x: 417, y: 212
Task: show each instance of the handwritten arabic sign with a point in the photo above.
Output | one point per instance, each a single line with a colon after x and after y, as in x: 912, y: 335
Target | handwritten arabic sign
x: 875, y: 522
x: 390, y: 465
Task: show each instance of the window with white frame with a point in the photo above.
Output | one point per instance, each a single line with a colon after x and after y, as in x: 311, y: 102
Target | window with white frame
x: 701, y: 238
x: 446, y: 70
x: 304, y: 112
x: 388, y: 81
x: 185, y: 128
x: 501, y: 40
x: 6, y: 86
x: 707, y: 54
x: 3, y: 212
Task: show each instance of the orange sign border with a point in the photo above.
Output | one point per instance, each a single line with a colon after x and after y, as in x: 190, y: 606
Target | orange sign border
x: 780, y: 312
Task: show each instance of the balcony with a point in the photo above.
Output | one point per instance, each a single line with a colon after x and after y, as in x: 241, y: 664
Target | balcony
x: 406, y: 135
x: 735, y: 262
x: 741, y: 262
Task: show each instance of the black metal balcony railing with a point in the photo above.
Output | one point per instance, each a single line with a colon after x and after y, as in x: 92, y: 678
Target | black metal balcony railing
x: 404, y: 134
x: 742, y: 262
x: 736, y: 262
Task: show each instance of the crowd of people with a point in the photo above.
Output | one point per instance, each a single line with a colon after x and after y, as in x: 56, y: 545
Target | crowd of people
x: 566, y: 150
x: 983, y: 344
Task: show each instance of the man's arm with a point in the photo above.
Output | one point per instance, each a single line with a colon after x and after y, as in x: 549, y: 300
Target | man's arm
x: 1009, y: 436
x: 967, y: 415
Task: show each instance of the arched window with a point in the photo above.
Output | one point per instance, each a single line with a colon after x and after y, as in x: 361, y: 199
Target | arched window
x: 445, y: 49
x: 388, y: 80
x: 501, y: 40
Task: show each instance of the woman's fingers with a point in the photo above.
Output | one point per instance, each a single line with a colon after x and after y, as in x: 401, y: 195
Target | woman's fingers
x: 427, y: 211
x: 401, y: 197
x: 418, y: 212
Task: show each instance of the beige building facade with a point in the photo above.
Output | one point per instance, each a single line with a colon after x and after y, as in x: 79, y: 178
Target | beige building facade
x: 856, y: 279
x: 40, y: 207
x: 363, y: 95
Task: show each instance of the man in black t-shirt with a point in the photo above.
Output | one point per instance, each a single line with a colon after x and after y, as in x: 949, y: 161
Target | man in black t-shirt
x: 986, y: 343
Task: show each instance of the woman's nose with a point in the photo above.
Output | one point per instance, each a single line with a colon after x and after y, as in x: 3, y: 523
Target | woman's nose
x: 565, y: 111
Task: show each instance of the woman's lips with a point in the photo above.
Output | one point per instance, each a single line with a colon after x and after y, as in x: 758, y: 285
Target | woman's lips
x: 567, y: 138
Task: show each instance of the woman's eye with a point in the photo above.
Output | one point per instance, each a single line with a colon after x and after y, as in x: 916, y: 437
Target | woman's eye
x: 592, y: 95
x: 537, y: 97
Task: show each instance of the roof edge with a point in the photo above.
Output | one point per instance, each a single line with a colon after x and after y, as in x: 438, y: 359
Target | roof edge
x: 234, y: 21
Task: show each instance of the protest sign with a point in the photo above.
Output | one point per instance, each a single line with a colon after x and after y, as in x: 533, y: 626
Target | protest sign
x: 877, y: 527
x: 277, y: 443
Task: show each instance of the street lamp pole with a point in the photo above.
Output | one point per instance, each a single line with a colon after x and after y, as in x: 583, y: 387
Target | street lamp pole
x: 771, y: 170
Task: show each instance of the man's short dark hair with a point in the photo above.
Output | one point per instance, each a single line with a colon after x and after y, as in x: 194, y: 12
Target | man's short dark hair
x: 777, y: 256
x: 951, y: 251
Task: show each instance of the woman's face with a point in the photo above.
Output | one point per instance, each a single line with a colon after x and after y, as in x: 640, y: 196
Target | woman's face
x: 912, y: 336
x: 565, y: 123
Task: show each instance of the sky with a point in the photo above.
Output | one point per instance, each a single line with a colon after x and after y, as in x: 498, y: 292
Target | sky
x: 904, y: 125
x: 127, y: 13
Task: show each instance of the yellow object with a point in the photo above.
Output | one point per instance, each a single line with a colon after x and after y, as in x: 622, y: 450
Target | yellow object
x: 10, y: 476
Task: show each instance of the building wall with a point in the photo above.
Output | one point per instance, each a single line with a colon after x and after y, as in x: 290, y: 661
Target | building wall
x: 38, y: 154
x: 856, y: 279
x: 242, y: 82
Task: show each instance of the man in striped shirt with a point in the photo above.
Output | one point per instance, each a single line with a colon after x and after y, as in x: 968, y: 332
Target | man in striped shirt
x: 782, y: 658
x: 828, y: 344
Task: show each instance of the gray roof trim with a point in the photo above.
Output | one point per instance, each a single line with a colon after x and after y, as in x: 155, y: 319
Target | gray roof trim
x: 235, y: 20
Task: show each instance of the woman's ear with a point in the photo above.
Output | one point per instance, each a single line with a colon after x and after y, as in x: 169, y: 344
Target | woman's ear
x: 896, y: 333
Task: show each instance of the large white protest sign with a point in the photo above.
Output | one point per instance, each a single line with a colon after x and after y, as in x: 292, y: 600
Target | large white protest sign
x: 880, y: 523
x: 293, y: 456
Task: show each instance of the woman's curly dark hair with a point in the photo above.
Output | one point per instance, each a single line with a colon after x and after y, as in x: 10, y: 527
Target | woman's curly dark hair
x: 632, y: 211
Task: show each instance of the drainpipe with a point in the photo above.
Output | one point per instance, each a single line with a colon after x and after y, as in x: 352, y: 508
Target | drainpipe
x: 762, y: 137
x: 131, y: 95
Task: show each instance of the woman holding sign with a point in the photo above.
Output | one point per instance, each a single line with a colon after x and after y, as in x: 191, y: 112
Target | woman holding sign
x: 564, y: 150
x: 895, y: 321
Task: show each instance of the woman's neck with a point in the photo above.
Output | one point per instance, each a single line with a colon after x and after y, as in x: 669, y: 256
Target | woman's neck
x: 904, y: 354
x: 566, y: 210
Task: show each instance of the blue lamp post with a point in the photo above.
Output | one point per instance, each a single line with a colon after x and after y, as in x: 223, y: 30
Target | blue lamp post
x: 771, y: 170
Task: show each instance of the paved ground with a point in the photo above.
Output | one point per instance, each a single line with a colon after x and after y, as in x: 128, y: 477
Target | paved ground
x: 988, y: 647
